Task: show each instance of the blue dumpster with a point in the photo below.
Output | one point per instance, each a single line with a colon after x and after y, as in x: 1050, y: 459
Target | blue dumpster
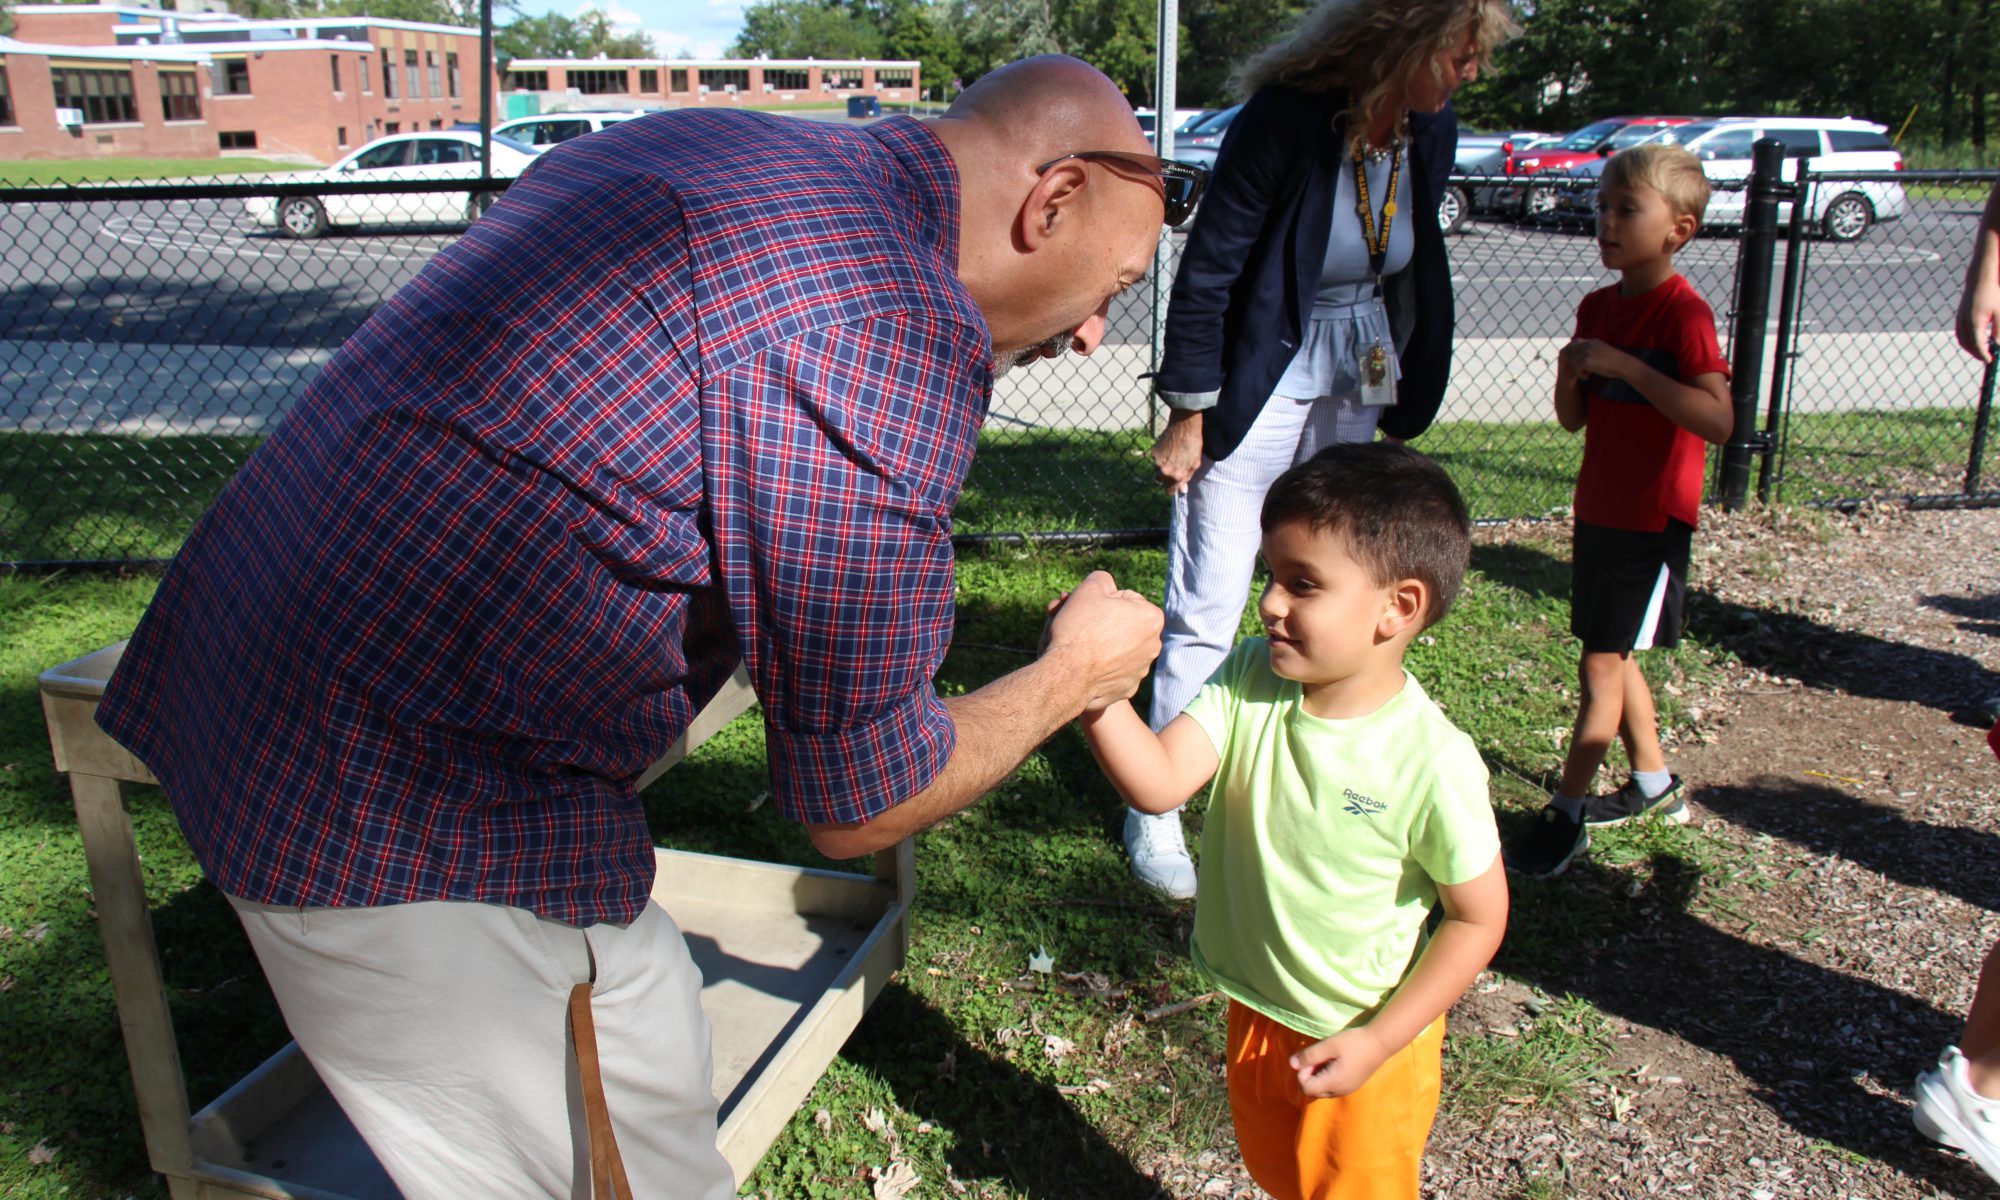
x: 863, y: 106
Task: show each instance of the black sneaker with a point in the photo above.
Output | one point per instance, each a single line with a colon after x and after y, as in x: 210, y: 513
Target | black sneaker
x: 1552, y: 842
x: 1630, y: 802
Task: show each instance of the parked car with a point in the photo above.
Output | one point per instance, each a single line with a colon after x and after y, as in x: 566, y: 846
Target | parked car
x: 1202, y: 140
x: 1182, y: 117
x: 549, y: 129
x: 1536, y: 197
x: 439, y: 154
x: 1840, y: 211
x: 1478, y: 154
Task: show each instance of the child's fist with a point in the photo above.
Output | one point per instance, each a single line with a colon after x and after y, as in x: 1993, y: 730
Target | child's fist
x: 1588, y: 356
x: 1340, y: 1064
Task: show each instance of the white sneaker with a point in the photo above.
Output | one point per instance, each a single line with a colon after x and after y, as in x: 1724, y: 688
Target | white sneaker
x: 1949, y: 1111
x: 1159, y: 852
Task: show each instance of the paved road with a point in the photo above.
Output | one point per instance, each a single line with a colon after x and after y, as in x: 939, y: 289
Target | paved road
x: 180, y: 315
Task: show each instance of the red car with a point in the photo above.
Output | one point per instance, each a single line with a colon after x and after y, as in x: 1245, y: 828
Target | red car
x: 1599, y: 139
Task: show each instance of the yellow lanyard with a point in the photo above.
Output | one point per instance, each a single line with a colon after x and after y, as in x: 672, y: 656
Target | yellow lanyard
x: 1378, y: 251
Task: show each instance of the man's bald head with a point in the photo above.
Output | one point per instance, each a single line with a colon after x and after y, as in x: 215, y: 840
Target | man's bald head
x: 1048, y: 231
x: 1051, y: 105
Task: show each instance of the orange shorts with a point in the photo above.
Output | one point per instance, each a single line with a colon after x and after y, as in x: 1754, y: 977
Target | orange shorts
x: 1368, y: 1145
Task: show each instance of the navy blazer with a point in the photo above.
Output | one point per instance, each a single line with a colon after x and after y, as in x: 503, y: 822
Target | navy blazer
x: 1252, y: 263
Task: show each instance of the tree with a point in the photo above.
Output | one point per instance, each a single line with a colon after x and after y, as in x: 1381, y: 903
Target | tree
x: 805, y: 29
x: 586, y: 35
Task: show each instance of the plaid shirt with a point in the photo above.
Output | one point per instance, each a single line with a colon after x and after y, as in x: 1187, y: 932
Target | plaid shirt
x: 703, y: 388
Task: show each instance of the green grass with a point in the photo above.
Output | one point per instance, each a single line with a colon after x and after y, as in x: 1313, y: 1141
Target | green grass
x: 953, y: 1071
x: 108, y: 496
x: 44, y: 173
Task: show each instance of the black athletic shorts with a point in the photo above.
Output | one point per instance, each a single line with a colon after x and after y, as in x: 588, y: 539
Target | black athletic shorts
x: 1627, y: 588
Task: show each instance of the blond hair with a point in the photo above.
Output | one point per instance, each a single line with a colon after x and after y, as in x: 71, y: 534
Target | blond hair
x: 1671, y: 171
x: 1374, y: 48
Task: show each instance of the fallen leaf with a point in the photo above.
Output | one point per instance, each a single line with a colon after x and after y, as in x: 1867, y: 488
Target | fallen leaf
x: 1057, y: 1048
x: 897, y: 1181
x: 877, y: 1123
x: 41, y: 1155
x: 824, y: 1120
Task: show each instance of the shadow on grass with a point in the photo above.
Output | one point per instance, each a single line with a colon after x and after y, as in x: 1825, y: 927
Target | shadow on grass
x: 1802, y: 1034
x: 1963, y: 862
x: 1786, y: 643
x: 1007, y: 1124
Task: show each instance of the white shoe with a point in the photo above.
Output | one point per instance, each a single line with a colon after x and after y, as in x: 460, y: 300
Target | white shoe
x: 1949, y: 1111
x: 1159, y: 852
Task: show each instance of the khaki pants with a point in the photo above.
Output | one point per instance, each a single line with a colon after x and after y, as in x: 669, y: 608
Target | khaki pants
x: 441, y: 1027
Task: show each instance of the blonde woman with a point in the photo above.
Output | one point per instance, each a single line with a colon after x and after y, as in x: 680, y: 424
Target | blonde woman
x: 1312, y: 306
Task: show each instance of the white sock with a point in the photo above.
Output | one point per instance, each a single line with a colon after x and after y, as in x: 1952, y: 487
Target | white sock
x: 1652, y: 783
x: 1568, y: 806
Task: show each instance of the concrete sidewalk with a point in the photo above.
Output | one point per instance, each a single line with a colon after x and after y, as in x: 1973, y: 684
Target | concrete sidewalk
x: 63, y: 387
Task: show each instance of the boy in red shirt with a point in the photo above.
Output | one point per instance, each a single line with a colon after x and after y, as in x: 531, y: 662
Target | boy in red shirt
x: 1646, y: 381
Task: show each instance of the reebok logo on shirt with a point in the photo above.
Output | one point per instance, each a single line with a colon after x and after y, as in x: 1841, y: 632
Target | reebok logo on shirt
x: 1360, y: 805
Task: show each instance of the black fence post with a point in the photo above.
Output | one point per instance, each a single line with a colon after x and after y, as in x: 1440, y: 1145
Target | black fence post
x: 1980, y: 420
x: 1788, y: 331
x: 1753, y: 310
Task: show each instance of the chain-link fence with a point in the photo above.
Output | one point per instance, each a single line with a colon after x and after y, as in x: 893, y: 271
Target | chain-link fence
x: 151, y: 336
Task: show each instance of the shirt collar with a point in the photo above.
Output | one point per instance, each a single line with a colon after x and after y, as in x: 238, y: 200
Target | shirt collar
x: 935, y: 175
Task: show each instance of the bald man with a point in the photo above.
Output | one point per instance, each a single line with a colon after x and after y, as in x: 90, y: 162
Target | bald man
x: 701, y: 390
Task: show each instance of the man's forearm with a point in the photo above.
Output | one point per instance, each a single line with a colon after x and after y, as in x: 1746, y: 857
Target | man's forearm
x: 997, y: 727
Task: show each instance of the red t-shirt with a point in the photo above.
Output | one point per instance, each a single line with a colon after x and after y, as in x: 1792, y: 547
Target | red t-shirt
x: 1639, y: 468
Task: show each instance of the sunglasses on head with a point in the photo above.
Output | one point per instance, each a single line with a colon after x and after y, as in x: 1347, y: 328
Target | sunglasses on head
x: 1181, y: 184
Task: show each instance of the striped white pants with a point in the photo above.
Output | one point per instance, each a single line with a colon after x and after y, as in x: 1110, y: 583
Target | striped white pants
x: 1213, y: 537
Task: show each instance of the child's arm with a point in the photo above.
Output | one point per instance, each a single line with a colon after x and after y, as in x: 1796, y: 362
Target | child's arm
x: 1572, y: 410
x: 1475, y: 919
x: 1701, y: 406
x: 1155, y: 772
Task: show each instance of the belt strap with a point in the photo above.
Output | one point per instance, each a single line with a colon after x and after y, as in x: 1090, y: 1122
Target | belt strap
x: 607, y: 1166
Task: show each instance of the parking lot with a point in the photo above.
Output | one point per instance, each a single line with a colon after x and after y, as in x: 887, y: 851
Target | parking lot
x: 180, y: 316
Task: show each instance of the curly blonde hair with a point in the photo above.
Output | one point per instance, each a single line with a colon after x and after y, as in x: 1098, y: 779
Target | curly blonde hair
x: 1374, y: 48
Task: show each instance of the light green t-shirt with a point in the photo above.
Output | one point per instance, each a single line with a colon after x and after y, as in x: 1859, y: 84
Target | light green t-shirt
x: 1326, y: 841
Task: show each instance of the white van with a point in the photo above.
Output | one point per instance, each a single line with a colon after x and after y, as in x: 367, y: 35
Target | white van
x: 548, y: 129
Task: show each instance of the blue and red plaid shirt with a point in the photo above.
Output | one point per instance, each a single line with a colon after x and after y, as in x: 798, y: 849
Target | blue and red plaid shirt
x: 702, y: 389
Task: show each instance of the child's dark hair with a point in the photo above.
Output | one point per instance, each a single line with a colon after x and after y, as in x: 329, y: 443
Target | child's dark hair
x: 1401, y: 515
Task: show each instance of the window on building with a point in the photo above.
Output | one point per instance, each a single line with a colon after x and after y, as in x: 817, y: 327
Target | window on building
x: 392, y: 127
x: 6, y: 99
x: 413, y: 80
x: 180, y: 99
x: 388, y: 74
x: 528, y: 81
x: 649, y: 81
x: 842, y: 80
x: 896, y: 77
x: 340, y: 137
x: 597, y: 82
x: 238, y: 139
x: 335, y: 60
x: 720, y: 79
x: 104, y: 96
x: 785, y: 79
x: 232, y: 76
x: 437, y: 122
x: 677, y: 80
x: 456, y: 80
x: 361, y: 64
x: 431, y: 69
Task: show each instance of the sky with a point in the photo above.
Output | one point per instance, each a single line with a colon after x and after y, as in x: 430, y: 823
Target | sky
x: 702, y: 28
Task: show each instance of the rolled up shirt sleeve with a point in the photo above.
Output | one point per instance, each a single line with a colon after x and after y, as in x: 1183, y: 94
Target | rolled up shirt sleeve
x: 836, y: 457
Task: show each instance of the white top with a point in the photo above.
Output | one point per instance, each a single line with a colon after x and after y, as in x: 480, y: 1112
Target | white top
x: 1347, y: 315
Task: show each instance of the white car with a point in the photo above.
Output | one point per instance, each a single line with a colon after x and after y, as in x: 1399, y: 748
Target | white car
x: 1842, y: 210
x: 549, y: 129
x: 401, y: 157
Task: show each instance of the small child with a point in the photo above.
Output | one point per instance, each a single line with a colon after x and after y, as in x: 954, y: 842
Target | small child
x: 1646, y: 381
x: 1346, y: 807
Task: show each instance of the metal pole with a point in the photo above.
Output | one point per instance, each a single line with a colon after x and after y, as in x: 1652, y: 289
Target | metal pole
x: 485, y: 89
x: 1753, y: 310
x: 1980, y: 419
x: 1164, y: 86
x: 1788, y: 315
